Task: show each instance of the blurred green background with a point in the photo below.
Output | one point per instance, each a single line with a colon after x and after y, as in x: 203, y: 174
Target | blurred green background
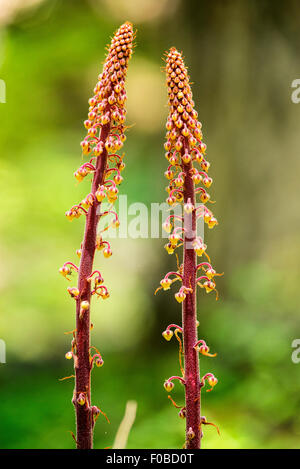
x: 242, y: 57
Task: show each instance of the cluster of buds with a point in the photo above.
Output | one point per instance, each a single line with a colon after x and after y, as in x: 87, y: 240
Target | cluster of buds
x: 202, y: 347
x: 169, y: 385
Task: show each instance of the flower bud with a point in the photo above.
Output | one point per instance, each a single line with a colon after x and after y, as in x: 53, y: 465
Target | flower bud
x: 204, y: 197
x: 179, y: 181
x: 188, y: 207
x: 185, y: 131
x: 100, y: 193
x: 69, y: 214
x: 115, y: 223
x: 202, y: 148
x: 99, y: 280
x: 197, y: 178
x: 205, y: 165
x: 169, y: 174
x: 167, y: 226
x: 199, y: 247
x: 168, y: 145
x: 98, y: 150
x: 107, y: 252
x: 105, y: 295
x: 171, y: 200
x: 186, y: 158
x: 84, y: 305
x: 95, y: 411
x: 212, y: 381
x: 169, y: 248
x: 192, y: 142
x: 207, y: 181
x: 212, y: 222
x: 209, y: 286
x: 169, y: 125
x: 180, y: 296
x: 87, y: 124
x: 174, y: 238
x: 173, y: 160
x: 204, y: 349
x: 168, y: 385
x: 118, y: 179
x: 197, y: 133
x: 85, y: 146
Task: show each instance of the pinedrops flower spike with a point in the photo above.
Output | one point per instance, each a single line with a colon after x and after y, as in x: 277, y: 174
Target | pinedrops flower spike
x: 188, y: 168
x: 105, y: 137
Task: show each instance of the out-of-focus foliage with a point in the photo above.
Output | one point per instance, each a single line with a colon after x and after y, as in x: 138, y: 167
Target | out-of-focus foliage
x: 243, y: 57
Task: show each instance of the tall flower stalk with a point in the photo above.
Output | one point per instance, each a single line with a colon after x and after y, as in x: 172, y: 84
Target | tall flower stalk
x: 185, y: 152
x: 105, y: 137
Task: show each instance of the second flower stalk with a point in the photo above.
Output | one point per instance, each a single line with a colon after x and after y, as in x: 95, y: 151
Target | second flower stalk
x: 105, y: 137
x: 185, y: 152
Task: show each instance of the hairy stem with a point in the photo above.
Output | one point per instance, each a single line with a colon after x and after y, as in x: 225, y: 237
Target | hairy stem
x: 189, y: 317
x: 84, y: 417
x: 105, y: 137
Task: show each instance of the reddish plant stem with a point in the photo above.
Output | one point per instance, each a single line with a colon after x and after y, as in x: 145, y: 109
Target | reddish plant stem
x: 84, y: 417
x: 189, y: 316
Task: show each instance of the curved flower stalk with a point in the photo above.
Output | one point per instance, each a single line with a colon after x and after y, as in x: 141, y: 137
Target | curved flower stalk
x: 188, y: 167
x: 105, y: 137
